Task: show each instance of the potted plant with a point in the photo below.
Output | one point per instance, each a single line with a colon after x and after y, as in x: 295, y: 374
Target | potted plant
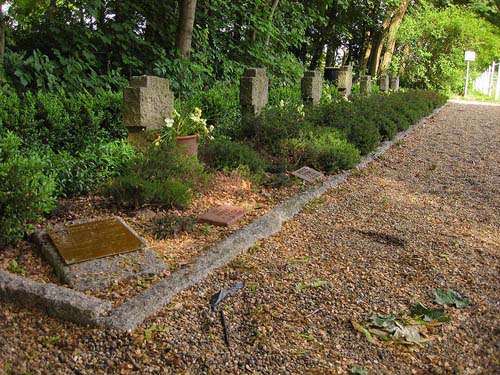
x: 185, y: 131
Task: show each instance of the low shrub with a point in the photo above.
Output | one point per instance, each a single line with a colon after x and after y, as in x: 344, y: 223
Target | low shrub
x: 323, y: 149
x: 25, y: 192
x: 162, y: 175
x: 88, y: 169
x: 222, y: 153
x: 171, y: 225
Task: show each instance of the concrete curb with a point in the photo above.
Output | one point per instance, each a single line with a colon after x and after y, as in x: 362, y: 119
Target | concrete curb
x: 77, y: 307
x: 56, y: 301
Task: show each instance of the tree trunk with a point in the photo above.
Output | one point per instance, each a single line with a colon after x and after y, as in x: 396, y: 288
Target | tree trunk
x: 377, y: 50
x: 391, y: 35
x: 3, y: 28
x: 366, y: 54
x: 187, y: 9
x: 271, y: 15
x: 52, y: 9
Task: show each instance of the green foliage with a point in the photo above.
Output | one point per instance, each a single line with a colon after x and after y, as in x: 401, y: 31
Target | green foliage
x: 88, y: 169
x: 324, y: 149
x: 62, y: 121
x: 171, y: 225
x: 162, y: 176
x: 222, y: 153
x: 437, y: 39
x: 451, y: 298
x: 25, y: 193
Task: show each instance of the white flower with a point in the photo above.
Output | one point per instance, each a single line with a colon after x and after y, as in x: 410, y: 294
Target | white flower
x: 282, y: 103
x: 211, y: 128
x: 169, y: 122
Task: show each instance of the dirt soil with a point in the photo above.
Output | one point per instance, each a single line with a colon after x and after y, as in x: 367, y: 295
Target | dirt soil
x: 424, y: 216
x: 177, y: 251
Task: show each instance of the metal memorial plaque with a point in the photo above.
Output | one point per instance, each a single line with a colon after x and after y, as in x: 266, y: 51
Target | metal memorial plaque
x: 308, y: 174
x: 223, y: 215
x: 94, y: 239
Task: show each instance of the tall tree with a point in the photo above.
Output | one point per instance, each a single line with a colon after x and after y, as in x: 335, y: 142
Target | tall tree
x: 187, y: 10
x: 3, y: 27
x: 376, y: 51
x: 392, y: 34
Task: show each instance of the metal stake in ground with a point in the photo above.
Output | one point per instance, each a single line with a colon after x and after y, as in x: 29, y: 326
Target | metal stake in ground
x: 216, y: 300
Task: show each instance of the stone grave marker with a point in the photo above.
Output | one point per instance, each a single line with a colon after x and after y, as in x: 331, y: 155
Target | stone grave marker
x: 311, y: 86
x: 366, y: 85
x: 384, y: 82
x: 147, y: 102
x: 92, y: 254
x: 345, y: 80
x: 224, y: 215
x: 308, y: 174
x: 254, y: 91
x: 394, y: 84
x: 94, y: 239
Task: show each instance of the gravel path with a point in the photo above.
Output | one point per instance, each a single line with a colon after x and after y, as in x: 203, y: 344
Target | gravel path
x: 424, y: 216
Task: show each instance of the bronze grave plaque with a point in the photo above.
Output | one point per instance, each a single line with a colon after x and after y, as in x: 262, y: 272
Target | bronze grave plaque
x: 223, y: 215
x: 308, y: 174
x: 94, y: 239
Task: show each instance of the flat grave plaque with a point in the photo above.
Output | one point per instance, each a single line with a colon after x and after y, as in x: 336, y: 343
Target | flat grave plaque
x: 308, y: 174
x: 94, y: 239
x: 223, y: 215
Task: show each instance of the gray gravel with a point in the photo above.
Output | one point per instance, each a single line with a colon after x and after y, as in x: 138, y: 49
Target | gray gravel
x: 425, y: 215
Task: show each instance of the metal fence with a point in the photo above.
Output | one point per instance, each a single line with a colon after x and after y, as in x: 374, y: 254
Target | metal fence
x: 488, y: 82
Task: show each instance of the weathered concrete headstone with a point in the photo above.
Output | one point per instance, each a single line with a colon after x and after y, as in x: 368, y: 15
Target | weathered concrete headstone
x: 311, y: 86
x: 103, y: 271
x: 308, y: 174
x: 345, y: 80
x: 394, y: 84
x: 365, y: 85
x: 331, y: 74
x: 147, y: 102
x: 224, y: 215
x: 254, y: 86
x: 384, y: 82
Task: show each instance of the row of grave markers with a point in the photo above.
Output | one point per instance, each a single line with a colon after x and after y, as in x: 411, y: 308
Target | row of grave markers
x: 148, y: 101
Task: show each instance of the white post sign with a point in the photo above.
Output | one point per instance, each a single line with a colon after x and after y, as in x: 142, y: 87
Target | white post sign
x: 469, y: 56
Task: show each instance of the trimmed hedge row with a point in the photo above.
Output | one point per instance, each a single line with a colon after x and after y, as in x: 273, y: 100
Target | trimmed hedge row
x: 328, y: 137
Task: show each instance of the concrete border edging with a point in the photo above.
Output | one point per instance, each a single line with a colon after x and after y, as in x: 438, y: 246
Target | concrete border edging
x: 74, y: 306
x: 56, y: 301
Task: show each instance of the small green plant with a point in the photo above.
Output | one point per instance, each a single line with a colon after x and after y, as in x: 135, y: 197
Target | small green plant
x: 359, y: 370
x: 148, y: 332
x: 170, y: 226
x: 15, y: 267
x: 49, y: 340
x: 252, y: 287
x: 314, y: 285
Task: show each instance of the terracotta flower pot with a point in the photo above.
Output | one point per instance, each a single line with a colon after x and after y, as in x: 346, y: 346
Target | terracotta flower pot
x: 188, y: 144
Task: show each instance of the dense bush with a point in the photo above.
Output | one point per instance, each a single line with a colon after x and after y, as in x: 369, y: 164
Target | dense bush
x: 332, y: 135
x: 62, y: 121
x: 162, y: 175
x: 222, y: 153
x: 25, y: 192
x: 322, y: 149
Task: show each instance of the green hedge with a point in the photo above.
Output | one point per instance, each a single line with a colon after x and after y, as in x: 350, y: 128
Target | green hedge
x: 25, y: 192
